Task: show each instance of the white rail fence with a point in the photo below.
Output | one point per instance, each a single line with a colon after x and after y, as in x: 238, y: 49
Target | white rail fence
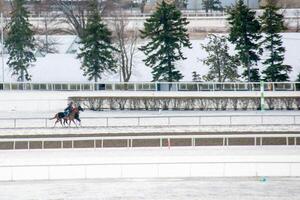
x: 177, y: 167
x: 151, y: 86
x: 158, y: 121
x: 164, y: 140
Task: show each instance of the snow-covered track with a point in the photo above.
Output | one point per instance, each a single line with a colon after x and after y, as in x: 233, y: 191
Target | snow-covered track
x: 159, y: 121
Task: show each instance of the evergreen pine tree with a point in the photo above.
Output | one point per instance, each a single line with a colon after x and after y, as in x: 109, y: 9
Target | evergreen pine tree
x: 272, y: 25
x: 20, y: 42
x: 96, y: 51
x: 211, y: 5
x: 245, y: 33
x: 298, y: 78
x: 298, y: 86
x: 222, y: 66
x: 254, y: 74
x: 196, y: 77
x: 167, y: 31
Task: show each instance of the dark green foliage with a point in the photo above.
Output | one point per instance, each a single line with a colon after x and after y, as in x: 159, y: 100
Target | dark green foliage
x: 272, y: 25
x: 97, y: 50
x: 298, y: 78
x: 245, y: 33
x: 196, y: 77
x: 254, y: 75
x: 222, y: 66
x: 20, y: 42
x: 167, y: 34
x: 210, y: 5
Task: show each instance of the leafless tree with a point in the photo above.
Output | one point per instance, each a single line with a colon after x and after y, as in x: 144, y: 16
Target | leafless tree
x: 44, y: 10
x: 1, y: 6
x: 126, y: 43
x: 75, y: 12
x: 142, y: 6
x: 297, y: 15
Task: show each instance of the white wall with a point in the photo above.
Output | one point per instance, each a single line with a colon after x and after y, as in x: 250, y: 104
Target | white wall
x: 149, y: 170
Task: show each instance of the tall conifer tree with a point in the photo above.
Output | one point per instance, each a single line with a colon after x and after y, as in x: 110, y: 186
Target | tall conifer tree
x: 167, y: 34
x: 20, y: 42
x: 211, y: 5
x: 245, y: 33
x: 96, y: 51
x: 272, y: 24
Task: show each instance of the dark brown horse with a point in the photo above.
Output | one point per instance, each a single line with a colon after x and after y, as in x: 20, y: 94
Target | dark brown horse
x: 74, y: 115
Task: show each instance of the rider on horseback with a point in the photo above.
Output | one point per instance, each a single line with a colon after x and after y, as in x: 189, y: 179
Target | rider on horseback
x: 68, y: 109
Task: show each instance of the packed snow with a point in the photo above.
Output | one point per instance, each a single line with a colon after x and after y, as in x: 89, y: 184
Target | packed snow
x: 155, y: 189
x: 66, y: 67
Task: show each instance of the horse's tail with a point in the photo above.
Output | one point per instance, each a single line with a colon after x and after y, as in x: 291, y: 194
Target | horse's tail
x: 53, y: 117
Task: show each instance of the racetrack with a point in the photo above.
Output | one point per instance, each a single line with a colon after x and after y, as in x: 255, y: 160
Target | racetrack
x: 155, y: 189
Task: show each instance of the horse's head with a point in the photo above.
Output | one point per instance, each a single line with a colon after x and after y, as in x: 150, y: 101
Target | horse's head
x: 80, y: 108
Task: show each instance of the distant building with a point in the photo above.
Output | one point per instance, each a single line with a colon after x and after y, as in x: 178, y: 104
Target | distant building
x: 197, y: 4
x: 285, y: 3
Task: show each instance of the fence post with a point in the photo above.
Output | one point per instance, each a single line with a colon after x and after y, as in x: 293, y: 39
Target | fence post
x: 261, y: 141
x: 15, y: 123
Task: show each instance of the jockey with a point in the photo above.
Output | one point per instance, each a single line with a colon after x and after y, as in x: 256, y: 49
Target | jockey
x: 68, y: 109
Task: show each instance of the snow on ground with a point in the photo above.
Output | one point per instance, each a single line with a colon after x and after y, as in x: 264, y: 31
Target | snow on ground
x: 184, y: 130
x: 44, y: 105
x: 150, y: 155
x: 155, y: 189
x: 54, y: 101
x: 65, y: 67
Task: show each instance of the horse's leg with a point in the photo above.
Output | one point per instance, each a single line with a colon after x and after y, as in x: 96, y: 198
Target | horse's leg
x: 69, y: 122
x: 79, y: 121
x: 65, y: 121
x: 55, y: 123
x: 74, y: 122
x: 61, y: 122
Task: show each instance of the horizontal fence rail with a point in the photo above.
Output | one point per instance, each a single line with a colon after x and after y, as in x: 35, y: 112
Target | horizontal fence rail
x: 164, y: 140
x: 158, y: 121
x: 152, y: 86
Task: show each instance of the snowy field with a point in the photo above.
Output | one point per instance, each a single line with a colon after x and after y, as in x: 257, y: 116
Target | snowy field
x: 155, y: 189
x: 174, y: 162
x: 65, y: 67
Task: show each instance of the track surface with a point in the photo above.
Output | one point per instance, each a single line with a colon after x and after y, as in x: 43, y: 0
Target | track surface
x: 154, y: 189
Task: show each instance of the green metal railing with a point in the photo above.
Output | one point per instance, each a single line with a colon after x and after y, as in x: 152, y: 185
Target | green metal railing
x: 150, y: 86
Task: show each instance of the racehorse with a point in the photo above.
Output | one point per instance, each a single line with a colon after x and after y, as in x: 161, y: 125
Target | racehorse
x: 74, y: 115
x: 60, y: 117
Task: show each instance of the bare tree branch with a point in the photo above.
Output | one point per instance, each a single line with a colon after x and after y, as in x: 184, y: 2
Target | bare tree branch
x: 126, y: 42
